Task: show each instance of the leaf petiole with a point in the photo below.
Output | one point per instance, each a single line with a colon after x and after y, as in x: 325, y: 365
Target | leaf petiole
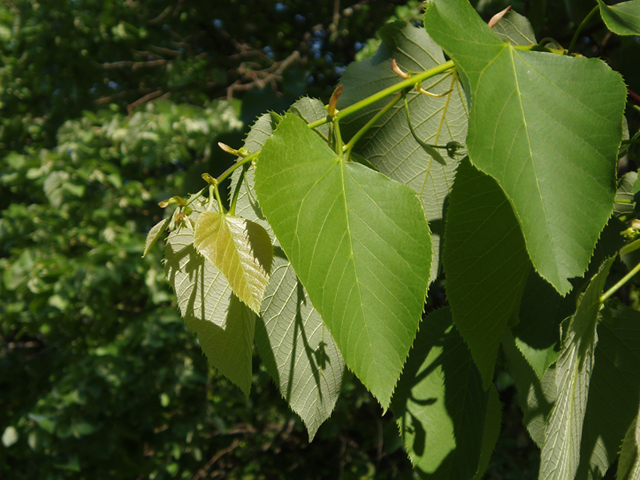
x: 430, y: 149
x: 620, y: 284
x: 580, y: 27
x: 349, y: 146
x: 232, y: 208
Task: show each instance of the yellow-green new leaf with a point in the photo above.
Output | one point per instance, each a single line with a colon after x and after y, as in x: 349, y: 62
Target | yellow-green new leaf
x: 154, y: 235
x: 240, y: 249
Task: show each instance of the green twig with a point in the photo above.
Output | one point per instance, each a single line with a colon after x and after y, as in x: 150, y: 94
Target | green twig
x: 349, y: 146
x: 620, y: 284
x: 217, y: 194
x: 409, y: 82
x: 580, y: 27
x: 195, y: 197
x: 430, y: 149
x: 231, y: 169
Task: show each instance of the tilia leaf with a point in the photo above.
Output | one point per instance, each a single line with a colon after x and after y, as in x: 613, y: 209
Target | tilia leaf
x: 391, y: 145
x: 622, y: 18
x: 486, y: 263
x: 240, y: 249
x: 359, y: 243
x: 561, y: 450
x: 629, y: 465
x: 448, y: 423
x: 224, y: 325
x: 547, y: 127
x: 154, y: 235
x: 296, y: 347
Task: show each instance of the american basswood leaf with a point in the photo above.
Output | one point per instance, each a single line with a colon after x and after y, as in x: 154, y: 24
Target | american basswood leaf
x: 224, y: 325
x: 560, y: 455
x: 629, y: 466
x: 486, y: 263
x: 296, y: 347
x: 240, y: 249
x: 154, y: 235
x: 622, y: 18
x: 448, y: 423
x: 389, y: 144
x: 614, y: 396
x: 547, y: 128
x: 359, y: 243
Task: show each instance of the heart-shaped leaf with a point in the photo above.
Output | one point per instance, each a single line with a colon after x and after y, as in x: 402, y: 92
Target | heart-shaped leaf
x: 240, y: 249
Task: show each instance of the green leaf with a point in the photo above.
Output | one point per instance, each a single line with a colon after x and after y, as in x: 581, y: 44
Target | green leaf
x: 536, y: 396
x: 389, y: 144
x: 625, y: 201
x: 486, y: 263
x: 358, y: 242
x: 629, y: 464
x: 538, y: 331
x: 547, y: 127
x: 154, y: 235
x: 622, y: 18
x: 297, y: 349
x: 303, y: 360
x: 491, y: 432
x: 240, y: 249
x: 515, y: 29
x: 447, y: 421
x: 614, y: 392
x: 225, y: 326
x: 561, y: 450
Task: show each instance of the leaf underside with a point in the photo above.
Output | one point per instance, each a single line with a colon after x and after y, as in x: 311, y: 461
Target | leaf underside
x: 561, y: 450
x: 358, y: 242
x: 224, y: 325
x: 623, y: 18
x: 154, y: 235
x: 389, y: 145
x: 297, y: 349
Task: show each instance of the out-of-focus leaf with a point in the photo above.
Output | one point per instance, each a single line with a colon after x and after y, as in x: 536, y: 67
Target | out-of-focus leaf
x: 154, y: 235
x: 622, y: 18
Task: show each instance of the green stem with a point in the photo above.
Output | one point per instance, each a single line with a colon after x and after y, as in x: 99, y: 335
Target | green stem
x: 232, y: 208
x: 409, y: 82
x: 337, y: 137
x: 430, y: 149
x: 621, y: 283
x: 195, y: 197
x: 217, y: 195
x: 231, y: 169
x: 580, y: 27
x: 349, y: 146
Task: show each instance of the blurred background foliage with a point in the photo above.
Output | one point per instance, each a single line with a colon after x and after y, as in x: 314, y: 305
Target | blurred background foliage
x: 106, y: 108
